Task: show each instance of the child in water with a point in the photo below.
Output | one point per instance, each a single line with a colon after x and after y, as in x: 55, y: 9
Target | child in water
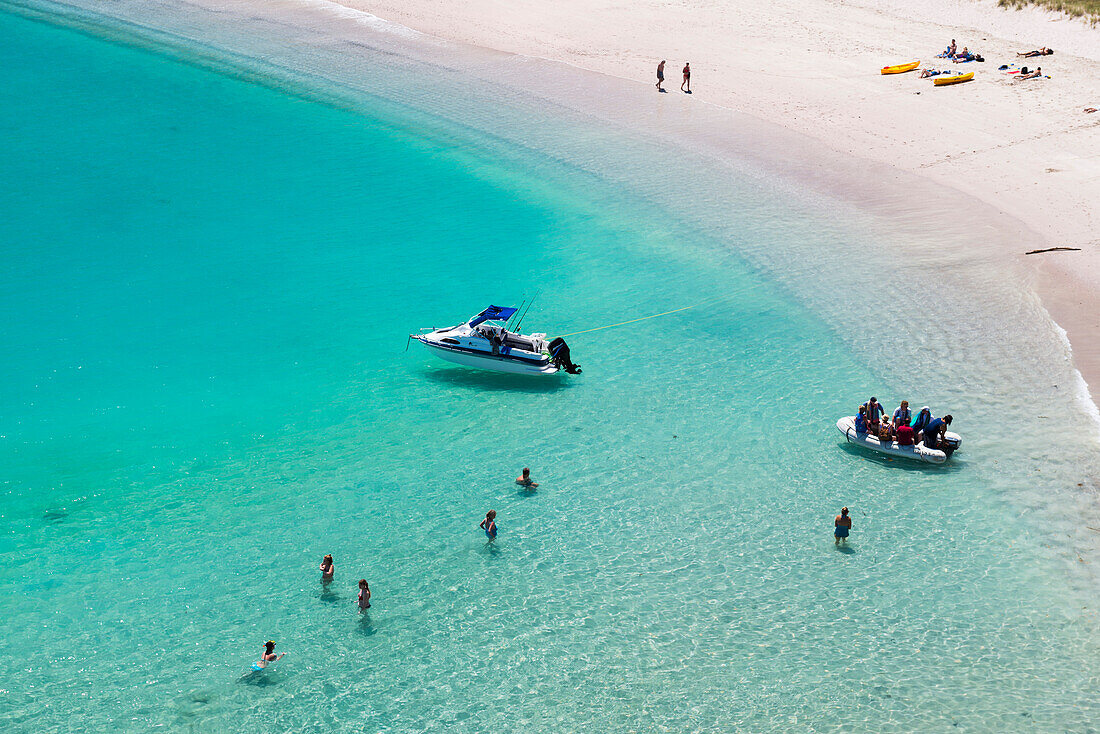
x: 525, y: 479
x: 364, y: 595
x: 489, y: 525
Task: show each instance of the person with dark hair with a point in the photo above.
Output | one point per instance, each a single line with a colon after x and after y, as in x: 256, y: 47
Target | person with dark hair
x: 933, y: 432
x: 1025, y: 74
x: 1044, y: 51
x: 874, y: 414
x: 268, y: 657
x: 842, y: 525
x: 524, y: 480
x: 328, y: 568
x: 489, y: 525
x: 364, y: 595
x: 660, y: 75
x: 687, y: 78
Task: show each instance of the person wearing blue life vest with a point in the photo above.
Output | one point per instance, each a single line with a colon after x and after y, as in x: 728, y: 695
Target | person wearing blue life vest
x: 924, y: 417
x: 489, y: 525
x: 861, y: 420
x: 934, y: 432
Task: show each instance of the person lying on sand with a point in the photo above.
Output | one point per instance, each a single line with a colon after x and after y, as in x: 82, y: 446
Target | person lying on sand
x: 1030, y: 75
x: 1044, y: 51
x: 929, y: 72
x: 1090, y: 109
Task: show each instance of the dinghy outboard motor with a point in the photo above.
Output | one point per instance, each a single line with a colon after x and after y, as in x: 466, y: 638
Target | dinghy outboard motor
x: 559, y: 352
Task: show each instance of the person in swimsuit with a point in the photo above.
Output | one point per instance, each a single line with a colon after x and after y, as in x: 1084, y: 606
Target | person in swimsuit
x: 660, y: 75
x: 268, y: 656
x: 525, y: 479
x: 328, y: 569
x: 687, y: 78
x: 364, y: 595
x: 842, y: 525
x: 1032, y: 75
x: 489, y: 525
x: 1044, y: 51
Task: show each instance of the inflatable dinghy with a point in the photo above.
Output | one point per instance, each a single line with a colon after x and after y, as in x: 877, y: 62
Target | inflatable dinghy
x: 847, y: 426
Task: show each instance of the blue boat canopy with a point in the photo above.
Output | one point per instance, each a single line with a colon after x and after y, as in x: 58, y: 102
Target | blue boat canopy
x: 493, y: 313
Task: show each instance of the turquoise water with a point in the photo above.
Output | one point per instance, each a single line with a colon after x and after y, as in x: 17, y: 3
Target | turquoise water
x: 206, y: 289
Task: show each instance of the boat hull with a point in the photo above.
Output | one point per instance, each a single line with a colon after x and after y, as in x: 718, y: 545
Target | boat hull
x: 491, y: 362
x: 847, y: 426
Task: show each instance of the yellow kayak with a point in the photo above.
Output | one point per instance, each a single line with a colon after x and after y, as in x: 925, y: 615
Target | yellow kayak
x: 899, y: 68
x: 954, y: 79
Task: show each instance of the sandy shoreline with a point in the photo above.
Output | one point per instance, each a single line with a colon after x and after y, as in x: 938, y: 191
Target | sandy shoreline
x: 1025, y: 148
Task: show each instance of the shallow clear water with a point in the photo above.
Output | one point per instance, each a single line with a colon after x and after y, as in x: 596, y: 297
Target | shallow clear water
x: 206, y: 288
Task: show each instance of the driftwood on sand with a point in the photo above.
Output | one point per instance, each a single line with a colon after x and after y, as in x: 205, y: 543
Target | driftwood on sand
x: 1053, y: 249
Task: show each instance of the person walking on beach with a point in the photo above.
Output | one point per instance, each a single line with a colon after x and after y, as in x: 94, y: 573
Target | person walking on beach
x: 328, y: 569
x: 842, y: 525
x: 489, y: 525
x: 687, y: 79
x: 660, y: 75
x: 364, y: 595
x: 524, y: 480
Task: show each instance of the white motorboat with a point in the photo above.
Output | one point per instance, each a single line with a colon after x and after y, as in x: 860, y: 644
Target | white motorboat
x: 847, y: 426
x: 484, y: 342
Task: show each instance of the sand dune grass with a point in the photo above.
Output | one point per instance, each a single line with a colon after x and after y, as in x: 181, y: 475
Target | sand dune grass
x: 1089, y: 9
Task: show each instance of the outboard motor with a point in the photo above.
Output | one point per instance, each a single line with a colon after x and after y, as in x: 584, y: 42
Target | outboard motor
x: 559, y: 354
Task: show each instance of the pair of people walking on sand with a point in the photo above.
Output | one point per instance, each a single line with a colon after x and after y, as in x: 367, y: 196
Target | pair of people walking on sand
x: 685, y: 86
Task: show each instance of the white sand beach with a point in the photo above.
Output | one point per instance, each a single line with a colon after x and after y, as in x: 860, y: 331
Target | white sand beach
x: 1024, y: 147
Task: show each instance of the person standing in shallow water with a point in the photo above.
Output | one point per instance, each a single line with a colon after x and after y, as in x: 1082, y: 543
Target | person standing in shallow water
x: 364, y: 595
x: 524, y: 480
x: 328, y: 569
x: 660, y: 75
x: 687, y: 78
x: 842, y: 525
x: 489, y: 525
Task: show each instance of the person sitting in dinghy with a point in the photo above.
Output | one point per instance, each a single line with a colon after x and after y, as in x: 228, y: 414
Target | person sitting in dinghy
x: 924, y: 417
x: 874, y: 413
x: 885, y: 431
x: 861, y: 420
x: 902, y: 416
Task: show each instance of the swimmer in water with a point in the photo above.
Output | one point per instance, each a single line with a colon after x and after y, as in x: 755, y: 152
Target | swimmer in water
x: 489, y: 525
x: 268, y: 657
x: 328, y: 568
x: 525, y: 479
x: 842, y: 525
x: 364, y: 595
